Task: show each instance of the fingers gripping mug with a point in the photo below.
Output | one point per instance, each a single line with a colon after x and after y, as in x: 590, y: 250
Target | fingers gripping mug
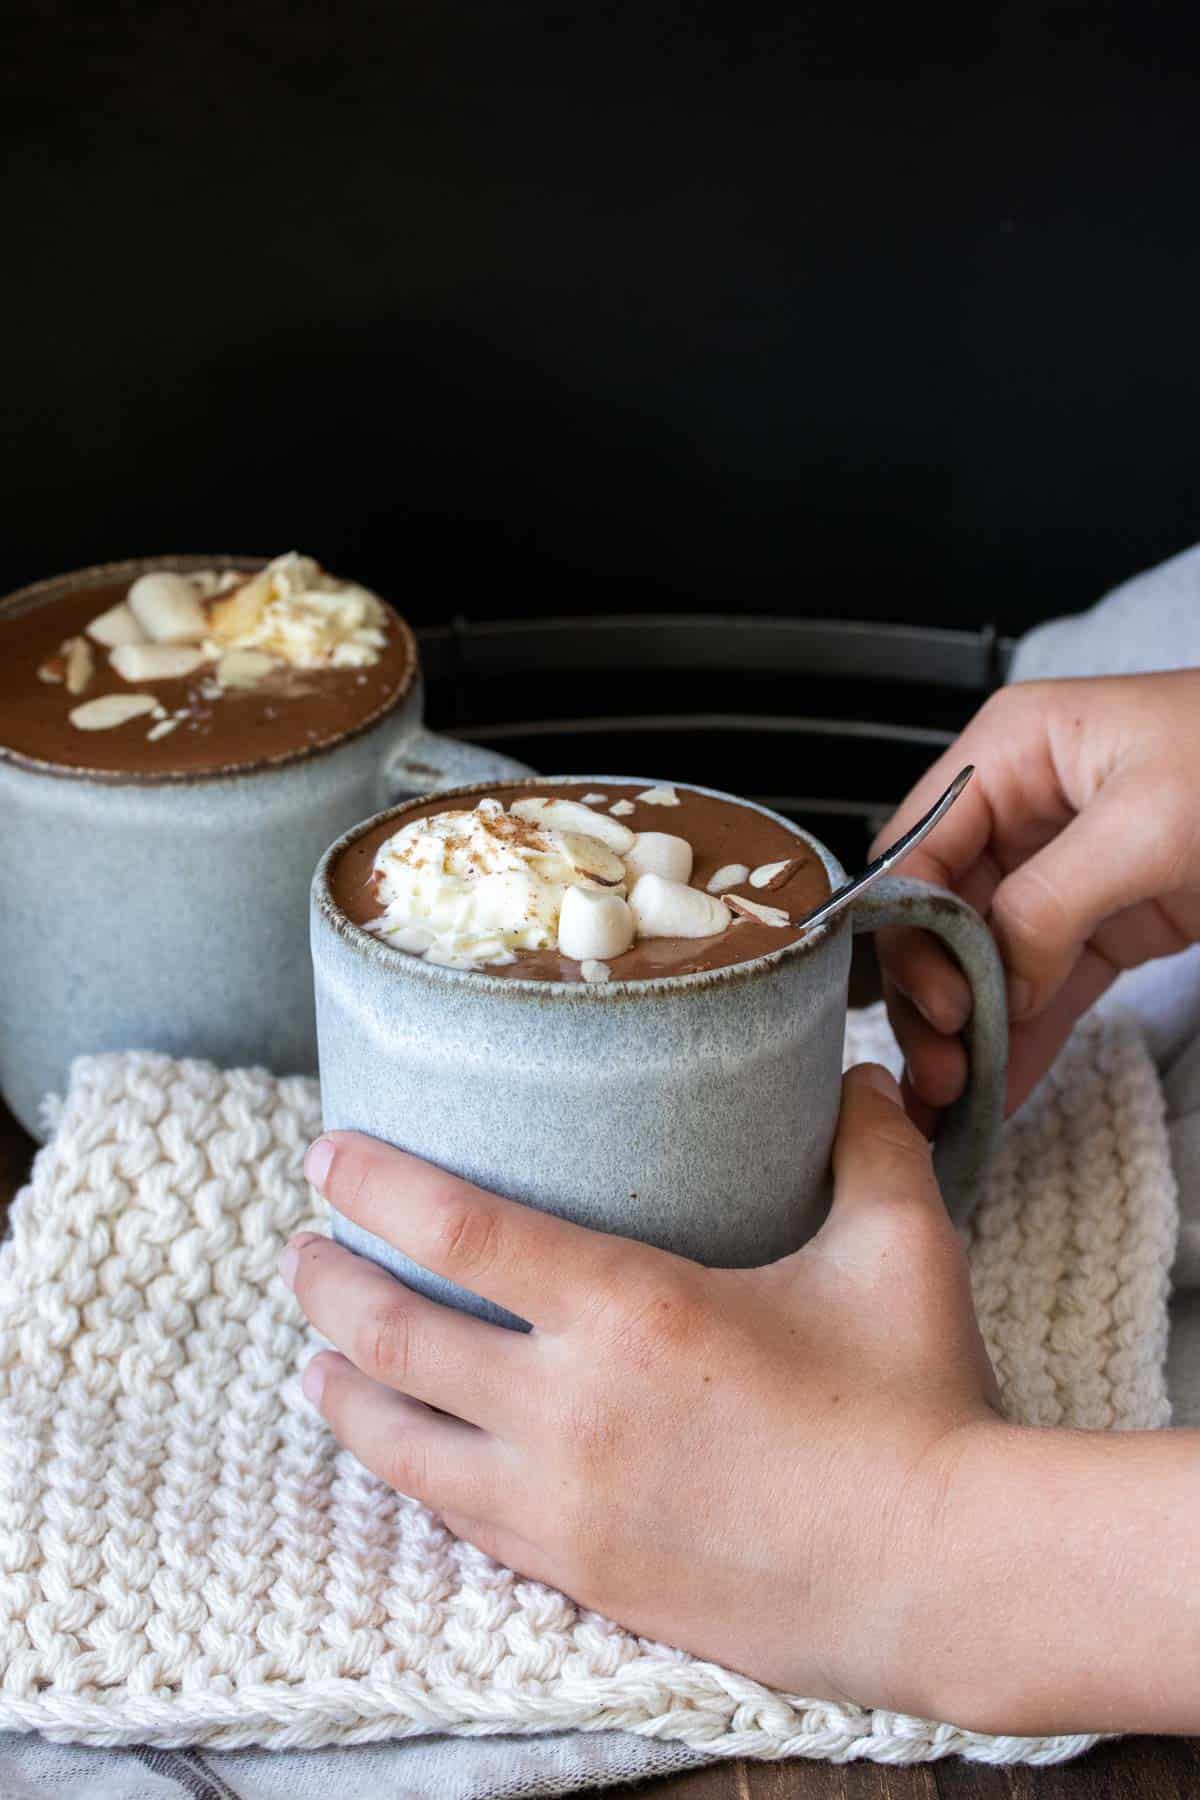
x: 696, y: 1112
x: 164, y: 906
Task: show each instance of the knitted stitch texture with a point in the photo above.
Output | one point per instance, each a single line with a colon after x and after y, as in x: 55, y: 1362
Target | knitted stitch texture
x: 186, y: 1557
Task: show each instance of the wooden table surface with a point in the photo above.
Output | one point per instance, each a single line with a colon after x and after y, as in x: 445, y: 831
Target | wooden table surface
x: 1133, y: 1769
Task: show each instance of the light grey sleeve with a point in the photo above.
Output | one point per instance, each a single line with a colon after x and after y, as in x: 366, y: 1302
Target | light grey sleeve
x: 1150, y: 622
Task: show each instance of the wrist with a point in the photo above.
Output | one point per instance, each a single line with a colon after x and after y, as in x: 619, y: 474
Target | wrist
x: 948, y: 1668
x: 929, y: 1598
x: 1057, y: 1585
x: 905, y: 1571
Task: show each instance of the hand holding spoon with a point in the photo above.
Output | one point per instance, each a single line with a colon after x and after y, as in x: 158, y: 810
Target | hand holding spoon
x: 895, y: 853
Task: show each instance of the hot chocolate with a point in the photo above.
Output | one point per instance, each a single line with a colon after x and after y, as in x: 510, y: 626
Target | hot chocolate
x: 575, y: 882
x: 197, y: 670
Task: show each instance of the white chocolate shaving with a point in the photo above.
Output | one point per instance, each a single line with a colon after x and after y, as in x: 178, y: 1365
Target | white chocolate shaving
x: 754, y: 909
x: 765, y: 874
x: 593, y: 859
x: 244, y: 668
x: 300, y: 615
x: 80, y: 664
x: 110, y: 710
x: 569, y: 815
x: 731, y: 876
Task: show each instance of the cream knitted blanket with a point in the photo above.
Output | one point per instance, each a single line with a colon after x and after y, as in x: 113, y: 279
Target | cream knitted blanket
x: 187, y: 1558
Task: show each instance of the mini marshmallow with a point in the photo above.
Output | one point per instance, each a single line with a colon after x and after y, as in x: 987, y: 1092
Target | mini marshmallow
x: 155, y: 662
x: 116, y: 626
x: 167, y: 608
x: 670, y: 909
x: 595, y: 971
x: 569, y: 815
x: 593, y: 926
x: 593, y: 799
x: 659, y: 796
x: 621, y: 809
x: 731, y: 876
x: 658, y: 853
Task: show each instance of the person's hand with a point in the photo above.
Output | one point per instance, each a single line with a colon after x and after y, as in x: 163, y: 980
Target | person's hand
x: 1078, y: 839
x: 749, y: 1464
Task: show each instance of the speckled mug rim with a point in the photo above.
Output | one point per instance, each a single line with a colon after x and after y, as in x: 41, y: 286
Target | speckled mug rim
x: 54, y: 587
x: 392, y: 961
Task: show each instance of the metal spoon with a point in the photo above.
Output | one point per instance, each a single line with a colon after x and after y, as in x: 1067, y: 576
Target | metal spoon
x: 895, y: 853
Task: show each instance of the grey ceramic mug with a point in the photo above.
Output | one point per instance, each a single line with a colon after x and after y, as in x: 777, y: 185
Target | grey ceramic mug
x: 696, y: 1112
x: 172, y: 913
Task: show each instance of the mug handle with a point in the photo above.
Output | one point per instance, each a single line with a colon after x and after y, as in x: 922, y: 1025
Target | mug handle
x: 970, y: 1129
x: 424, y: 762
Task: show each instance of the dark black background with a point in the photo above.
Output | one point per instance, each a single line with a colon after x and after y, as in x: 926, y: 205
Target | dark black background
x: 523, y: 309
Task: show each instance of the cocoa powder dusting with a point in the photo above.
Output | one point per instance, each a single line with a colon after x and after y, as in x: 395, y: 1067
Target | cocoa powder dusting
x: 719, y: 831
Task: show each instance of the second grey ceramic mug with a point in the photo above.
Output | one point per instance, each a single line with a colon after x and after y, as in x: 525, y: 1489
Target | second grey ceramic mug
x: 696, y: 1112
x: 172, y: 913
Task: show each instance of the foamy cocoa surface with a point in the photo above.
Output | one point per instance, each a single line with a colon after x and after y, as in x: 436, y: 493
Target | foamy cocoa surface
x: 720, y: 832
x: 291, y: 713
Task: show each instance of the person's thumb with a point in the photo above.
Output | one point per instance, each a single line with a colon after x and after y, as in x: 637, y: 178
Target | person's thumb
x: 880, y: 1158
x: 1121, y: 849
x: 889, y: 1235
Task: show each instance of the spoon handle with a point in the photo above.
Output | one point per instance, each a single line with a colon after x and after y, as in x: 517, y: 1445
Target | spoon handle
x: 895, y: 853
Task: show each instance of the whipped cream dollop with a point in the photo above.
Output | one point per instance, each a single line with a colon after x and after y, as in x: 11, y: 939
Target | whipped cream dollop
x: 471, y: 888
x: 297, y: 613
x: 478, y: 887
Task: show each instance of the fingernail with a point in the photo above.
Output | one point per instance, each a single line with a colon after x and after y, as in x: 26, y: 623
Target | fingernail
x: 317, y: 1161
x: 876, y: 1076
x: 289, y: 1256
x: 955, y: 1012
x: 312, y: 1382
x: 924, y: 1011
x: 1020, y: 996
